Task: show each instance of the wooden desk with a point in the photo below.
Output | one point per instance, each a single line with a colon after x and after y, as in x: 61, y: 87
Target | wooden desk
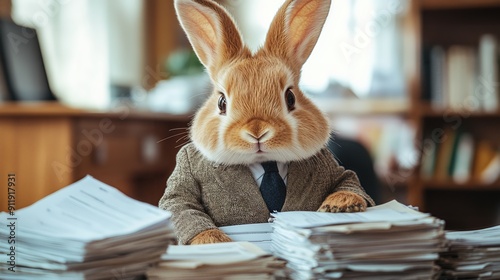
x: 48, y: 146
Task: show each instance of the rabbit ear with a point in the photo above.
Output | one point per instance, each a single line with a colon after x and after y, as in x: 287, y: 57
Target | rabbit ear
x: 210, y: 30
x: 296, y: 28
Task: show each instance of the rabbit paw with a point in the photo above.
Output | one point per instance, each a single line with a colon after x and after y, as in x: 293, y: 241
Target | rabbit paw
x: 210, y: 236
x: 343, y: 201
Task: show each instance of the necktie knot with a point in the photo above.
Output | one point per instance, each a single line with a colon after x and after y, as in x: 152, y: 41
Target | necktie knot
x: 270, y: 166
x: 272, y: 188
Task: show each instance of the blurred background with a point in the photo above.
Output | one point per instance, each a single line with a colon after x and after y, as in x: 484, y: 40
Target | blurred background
x: 108, y: 88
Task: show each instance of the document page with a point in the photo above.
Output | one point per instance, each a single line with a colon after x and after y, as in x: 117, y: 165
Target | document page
x: 392, y: 211
x: 87, y: 210
x: 219, y: 253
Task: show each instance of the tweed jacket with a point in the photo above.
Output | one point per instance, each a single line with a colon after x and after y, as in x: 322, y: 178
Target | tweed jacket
x: 204, y: 195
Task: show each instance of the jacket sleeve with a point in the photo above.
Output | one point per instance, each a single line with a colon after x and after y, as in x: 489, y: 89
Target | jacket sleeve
x: 346, y: 180
x: 182, y: 197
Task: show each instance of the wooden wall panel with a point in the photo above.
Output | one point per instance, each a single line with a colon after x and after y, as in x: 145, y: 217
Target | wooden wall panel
x: 30, y: 148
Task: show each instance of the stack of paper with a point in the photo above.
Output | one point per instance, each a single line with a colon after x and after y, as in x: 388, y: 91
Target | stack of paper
x: 390, y: 241
x: 87, y: 230
x: 231, y: 260
x: 257, y: 234
x: 472, y: 254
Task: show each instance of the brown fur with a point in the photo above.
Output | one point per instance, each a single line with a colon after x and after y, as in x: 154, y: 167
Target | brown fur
x: 255, y: 84
x: 343, y: 201
x: 210, y: 236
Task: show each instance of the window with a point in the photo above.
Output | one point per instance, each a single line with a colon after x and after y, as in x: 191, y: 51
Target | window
x: 87, y: 45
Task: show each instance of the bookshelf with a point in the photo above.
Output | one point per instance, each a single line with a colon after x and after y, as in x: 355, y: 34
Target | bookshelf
x: 334, y: 107
x: 458, y: 133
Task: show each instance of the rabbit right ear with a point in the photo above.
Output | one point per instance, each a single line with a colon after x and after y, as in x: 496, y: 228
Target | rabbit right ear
x: 211, y: 31
x: 296, y: 28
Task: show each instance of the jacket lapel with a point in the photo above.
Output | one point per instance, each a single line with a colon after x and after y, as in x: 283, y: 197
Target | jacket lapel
x: 300, y: 175
x: 225, y: 176
x: 226, y: 173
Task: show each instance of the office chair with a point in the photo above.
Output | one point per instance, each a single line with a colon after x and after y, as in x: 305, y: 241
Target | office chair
x: 354, y: 156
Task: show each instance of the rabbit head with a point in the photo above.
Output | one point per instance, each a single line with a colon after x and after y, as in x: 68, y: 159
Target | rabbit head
x: 256, y: 112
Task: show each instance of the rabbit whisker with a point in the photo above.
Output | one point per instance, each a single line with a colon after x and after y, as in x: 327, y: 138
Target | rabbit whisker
x: 172, y: 136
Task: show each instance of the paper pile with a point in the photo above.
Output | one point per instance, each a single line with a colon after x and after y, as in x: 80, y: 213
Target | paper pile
x: 87, y: 230
x: 390, y: 241
x: 232, y: 260
x: 472, y: 254
x: 257, y: 234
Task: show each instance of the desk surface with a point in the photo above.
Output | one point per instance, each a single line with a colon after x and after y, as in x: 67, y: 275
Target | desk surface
x: 49, y: 145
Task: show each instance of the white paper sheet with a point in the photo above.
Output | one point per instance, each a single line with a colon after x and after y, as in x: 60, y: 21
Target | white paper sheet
x: 84, y: 211
x: 392, y: 211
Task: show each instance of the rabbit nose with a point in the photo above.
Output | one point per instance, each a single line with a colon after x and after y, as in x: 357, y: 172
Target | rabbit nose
x: 257, y: 131
x: 257, y: 138
x: 261, y: 138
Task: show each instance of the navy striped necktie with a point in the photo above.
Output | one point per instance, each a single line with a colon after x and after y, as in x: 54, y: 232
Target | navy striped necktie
x: 272, y: 188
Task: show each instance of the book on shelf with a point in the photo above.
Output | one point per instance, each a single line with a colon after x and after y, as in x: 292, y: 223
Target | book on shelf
x: 437, y: 74
x: 486, y: 159
x: 461, y: 172
x: 462, y: 77
x: 428, y: 164
x: 488, y: 72
x: 461, y: 158
x: 445, y: 154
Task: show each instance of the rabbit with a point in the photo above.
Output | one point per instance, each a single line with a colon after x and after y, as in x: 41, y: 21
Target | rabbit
x: 256, y: 113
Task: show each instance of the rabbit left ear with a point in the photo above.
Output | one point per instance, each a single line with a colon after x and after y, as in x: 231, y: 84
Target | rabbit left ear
x: 296, y: 28
x: 210, y: 30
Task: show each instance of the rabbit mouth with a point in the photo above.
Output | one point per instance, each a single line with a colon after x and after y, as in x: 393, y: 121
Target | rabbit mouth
x: 260, y: 148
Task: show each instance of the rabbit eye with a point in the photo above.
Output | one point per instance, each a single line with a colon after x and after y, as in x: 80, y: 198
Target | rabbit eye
x: 290, y: 99
x: 222, y: 104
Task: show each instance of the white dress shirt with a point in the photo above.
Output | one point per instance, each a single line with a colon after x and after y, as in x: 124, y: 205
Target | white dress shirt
x: 258, y: 171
